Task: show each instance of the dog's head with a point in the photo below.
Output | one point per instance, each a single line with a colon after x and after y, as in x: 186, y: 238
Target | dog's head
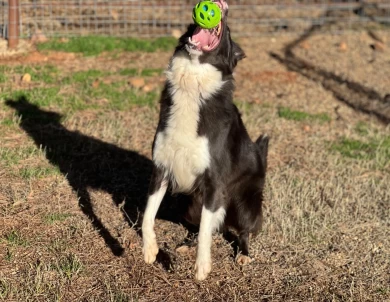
x: 214, y: 46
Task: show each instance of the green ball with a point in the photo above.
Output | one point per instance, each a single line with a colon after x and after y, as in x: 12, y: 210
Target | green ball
x: 207, y: 14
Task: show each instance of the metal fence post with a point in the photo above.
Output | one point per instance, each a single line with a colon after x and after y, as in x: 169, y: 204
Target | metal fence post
x: 13, y: 23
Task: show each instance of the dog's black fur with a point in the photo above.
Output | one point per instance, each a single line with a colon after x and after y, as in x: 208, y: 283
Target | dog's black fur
x: 236, y: 175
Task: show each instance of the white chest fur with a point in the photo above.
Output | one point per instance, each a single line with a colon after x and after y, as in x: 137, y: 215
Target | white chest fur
x: 179, y: 149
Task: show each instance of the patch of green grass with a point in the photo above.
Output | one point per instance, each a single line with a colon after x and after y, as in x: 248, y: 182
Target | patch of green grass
x: 118, y: 95
x: 95, y: 45
x: 115, y: 294
x: 46, y: 97
x: 147, y: 72
x: 128, y: 72
x: 88, y: 75
x: 69, y: 266
x: 7, y: 122
x: 295, y: 115
x: 5, y: 289
x: 377, y: 149
x: 38, y: 172
x: 57, y: 246
x: 383, y: 290
x: 9, y: 255
x: 15, y: 239
x: 40, y: 96
x: 12, y: 156
x: 3, y: 78
x: 362, y: 128
x: 121, y: 98
x: 3, y: 73
x: 120, y: 297
x: 4, y: 68
x: 54, y: 217
x: 76, y: 103
x: 40, y: 73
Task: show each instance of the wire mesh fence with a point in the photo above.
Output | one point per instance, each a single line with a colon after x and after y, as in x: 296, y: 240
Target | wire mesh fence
x: 3, y: 18
x: 153, y: 18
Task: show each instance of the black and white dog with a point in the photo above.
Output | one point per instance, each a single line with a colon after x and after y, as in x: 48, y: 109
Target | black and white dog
x: 202, y: 148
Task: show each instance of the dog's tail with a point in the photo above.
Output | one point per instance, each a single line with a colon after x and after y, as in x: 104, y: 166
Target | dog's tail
x: 262, y: 144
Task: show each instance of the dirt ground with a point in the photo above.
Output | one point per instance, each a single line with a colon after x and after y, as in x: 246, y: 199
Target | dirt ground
x: 73, y: 182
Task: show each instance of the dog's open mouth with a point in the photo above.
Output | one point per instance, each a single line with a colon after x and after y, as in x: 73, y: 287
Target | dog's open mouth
x: 206, y: 39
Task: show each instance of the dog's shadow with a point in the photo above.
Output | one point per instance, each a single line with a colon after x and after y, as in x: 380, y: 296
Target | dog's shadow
x: 88, y: 162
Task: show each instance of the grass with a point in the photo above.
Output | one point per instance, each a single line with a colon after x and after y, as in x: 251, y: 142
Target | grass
x: 147, y: 72
x: 40, y: 96
x: 46, y: 73
x: 10, y: 121
x: 7, y: 122
x: 326, y: 201
x: 362, y: 128
x: 8, y: 255
x: 18, y: 159
x: 13, y: 238
x: 4, y: 289
x: 95, y: 45
x: 78, y: 91
x: 85, y: 76
x: 69, y: 266
x: 120, y: 97
x: 294, y: 115
x: 3, y: 78
x: 3, y: 74
x: 115, y: 96
x: 57, y: 246
x: 129, y: 72
x: 377, y: 148
x: 12, y: 156
x: 30, y: 173
x: 56, y: 217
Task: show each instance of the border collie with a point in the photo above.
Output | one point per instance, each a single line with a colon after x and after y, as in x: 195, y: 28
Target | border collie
x: 201, y: 146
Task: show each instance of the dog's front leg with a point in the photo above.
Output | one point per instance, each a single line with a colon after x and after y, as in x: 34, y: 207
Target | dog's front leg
x: 209, y: 222
x: 157, y: 188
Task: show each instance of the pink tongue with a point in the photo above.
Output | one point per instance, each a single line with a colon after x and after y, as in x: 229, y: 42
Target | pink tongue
x: 202, y: 36
x: 205, y: 38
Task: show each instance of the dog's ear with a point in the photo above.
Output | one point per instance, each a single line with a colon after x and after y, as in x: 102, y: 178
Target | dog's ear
x: 236, y: 55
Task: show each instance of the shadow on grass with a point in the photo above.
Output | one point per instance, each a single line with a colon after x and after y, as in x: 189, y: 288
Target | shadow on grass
x: 87, y: 162
x: 353, y: 94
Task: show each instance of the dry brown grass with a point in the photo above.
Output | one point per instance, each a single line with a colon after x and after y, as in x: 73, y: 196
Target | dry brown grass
x: 326, y: 235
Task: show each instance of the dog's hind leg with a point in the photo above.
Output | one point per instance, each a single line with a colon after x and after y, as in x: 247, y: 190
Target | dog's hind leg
x: 157, y: 189
x: 209, y: 222
x: 262, y: 143
x: 243, y: 249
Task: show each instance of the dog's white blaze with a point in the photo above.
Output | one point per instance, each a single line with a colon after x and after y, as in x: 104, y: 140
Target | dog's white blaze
x: 209, y: 222
x: 178, y: 148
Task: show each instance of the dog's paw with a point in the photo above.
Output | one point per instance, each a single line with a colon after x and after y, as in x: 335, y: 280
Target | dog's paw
x: 202, y: 270
x: 243, y: 260
x: 150, y: 251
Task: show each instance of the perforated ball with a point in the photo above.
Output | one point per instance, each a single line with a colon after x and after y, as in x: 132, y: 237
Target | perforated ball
x: 207, y: 14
